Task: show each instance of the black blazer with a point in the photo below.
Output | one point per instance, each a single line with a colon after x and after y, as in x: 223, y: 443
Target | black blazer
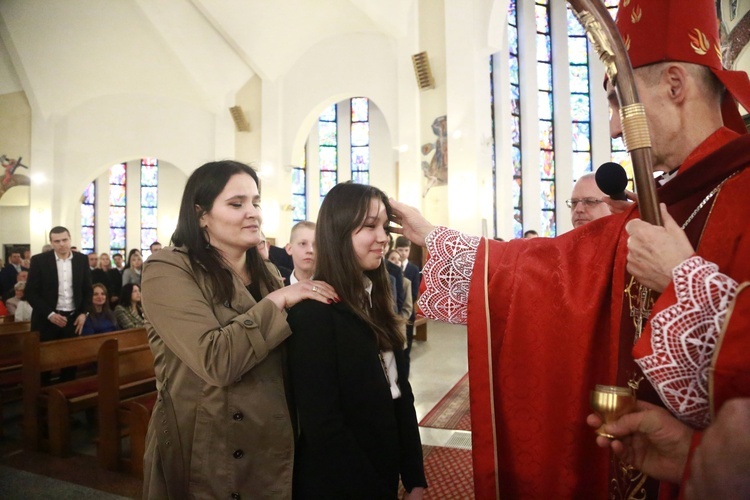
x: 354, y: 439
x: 412, y: 274
x: 42, y: 286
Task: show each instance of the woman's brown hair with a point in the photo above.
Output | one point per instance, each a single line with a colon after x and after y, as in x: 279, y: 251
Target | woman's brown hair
x: 342, y: 213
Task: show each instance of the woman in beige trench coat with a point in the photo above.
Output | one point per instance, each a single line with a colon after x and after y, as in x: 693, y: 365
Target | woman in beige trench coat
x: 216, y: 319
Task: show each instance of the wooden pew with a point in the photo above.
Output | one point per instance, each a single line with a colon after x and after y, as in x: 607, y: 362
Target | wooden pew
x: 11, y: 350
x: 7, y: 318
x: 121, y: 373
x: 60, y: 400
x: 15, y: 327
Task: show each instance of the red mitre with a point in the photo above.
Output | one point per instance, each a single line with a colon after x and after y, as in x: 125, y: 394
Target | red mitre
x: 675, y: 30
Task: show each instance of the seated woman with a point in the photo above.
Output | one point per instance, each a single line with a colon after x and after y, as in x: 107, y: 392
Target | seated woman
x: 129, y: 312
x: 100, y: 318
x: 22, y: 309
x: 358, y: 430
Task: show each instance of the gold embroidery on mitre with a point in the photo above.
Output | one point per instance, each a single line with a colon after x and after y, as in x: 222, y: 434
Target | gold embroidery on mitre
x: 699, y: 42
x: 626, y: 3
x: 718, y: 53
x: 636, y: 15
x: 626, y: 42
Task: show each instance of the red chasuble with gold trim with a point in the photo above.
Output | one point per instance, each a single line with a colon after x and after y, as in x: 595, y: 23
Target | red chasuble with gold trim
x: 553, y: 330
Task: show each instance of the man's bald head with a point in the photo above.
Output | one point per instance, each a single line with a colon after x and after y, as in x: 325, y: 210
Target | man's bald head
x: 586, y: 202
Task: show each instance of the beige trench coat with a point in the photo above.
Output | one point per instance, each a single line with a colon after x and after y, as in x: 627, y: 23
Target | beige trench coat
x: 221, y: 426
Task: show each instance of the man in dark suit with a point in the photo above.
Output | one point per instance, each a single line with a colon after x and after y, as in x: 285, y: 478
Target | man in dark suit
x: 9, y: 273
x: 58, y: 289
x: 413, y: 274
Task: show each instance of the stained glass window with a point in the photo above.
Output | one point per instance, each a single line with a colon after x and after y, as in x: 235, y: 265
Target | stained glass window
x: 515, y: 111
x: 360, y: 139
x: 546, y: 117
x: 299, y: 190
x: 149, y: 203
x: 88, y: 219
x: 117, y: 208
x: 493, y: 158
x: 580, y: 96
x: 619, y: 153
x: 328, y: 149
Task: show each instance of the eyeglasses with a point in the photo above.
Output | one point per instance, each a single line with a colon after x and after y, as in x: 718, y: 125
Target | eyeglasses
x: 589, y: 202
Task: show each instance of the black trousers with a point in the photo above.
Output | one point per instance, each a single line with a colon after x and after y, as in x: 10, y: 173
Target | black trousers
x: 50, y: 331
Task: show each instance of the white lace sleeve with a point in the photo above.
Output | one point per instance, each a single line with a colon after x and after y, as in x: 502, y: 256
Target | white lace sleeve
x: 683, y: 339
x: 447, y: 275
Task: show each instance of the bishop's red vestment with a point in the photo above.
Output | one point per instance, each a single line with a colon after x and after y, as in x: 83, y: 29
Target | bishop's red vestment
x: 548, y: 320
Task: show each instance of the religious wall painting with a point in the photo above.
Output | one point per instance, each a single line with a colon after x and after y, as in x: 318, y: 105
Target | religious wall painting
x: 12, y: 174
x: 435, y: 162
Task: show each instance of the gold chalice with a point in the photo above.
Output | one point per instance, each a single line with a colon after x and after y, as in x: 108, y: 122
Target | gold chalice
x: 611, y: 402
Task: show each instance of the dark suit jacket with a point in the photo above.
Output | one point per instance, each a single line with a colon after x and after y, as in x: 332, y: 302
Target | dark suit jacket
x: 8, y: 277
x: 397, y: 273
x: 279, y: 257
x: 42, y: 286
x: 412, y: 274
x: 355, y: 440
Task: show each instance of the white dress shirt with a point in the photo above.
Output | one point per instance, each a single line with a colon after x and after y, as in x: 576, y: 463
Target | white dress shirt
x: 65, y: 300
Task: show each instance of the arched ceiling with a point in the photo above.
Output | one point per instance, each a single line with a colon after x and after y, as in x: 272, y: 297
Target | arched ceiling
x: 200, y: 51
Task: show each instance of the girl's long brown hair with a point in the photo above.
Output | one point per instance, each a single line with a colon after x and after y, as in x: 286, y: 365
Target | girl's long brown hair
x: 342, y: 213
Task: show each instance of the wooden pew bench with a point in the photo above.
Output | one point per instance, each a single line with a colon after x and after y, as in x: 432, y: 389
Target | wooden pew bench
x: 58, y: 401
x: 11, y: 351
x: 15, y: 327
x: 127, y: 393
x: 420, y: 328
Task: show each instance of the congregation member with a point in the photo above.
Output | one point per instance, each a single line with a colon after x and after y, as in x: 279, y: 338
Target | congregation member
x: 358, y: 432
x: 406, y: 313
x: 21, y: 277
x: 12, y: 302
x: 132, y: 273
x: 129, y: 311
x: 586, y: 202
x: 301, y: 248
x: 99, y: 317
x: 155, y: 247
x: 58, y: 290
x: 9, y: 272
x: 93, y: 261
x: 530, y: 234
x: 118, y: 262
x: 23, y: 309
x: 585, y: 333
x: 413, y: 274
x: 221, y: 426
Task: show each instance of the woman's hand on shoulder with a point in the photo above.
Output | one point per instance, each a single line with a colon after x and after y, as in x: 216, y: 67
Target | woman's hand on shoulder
x: 291, y: 295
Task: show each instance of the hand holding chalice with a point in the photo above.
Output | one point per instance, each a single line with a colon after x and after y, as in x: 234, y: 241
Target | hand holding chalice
x: 611, y: 402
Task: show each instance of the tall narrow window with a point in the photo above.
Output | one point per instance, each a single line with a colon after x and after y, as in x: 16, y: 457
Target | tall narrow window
x: 546, y: 118
x: 88, y: 219
x: 328, y: 149
x: 619, y: 153
x: 580, y: 96
x: 149, y: 203
x: 360, y: 140
x: 117, y: 203
x: 515, y: 112
x: 493, y: 157
x: 299, y: 189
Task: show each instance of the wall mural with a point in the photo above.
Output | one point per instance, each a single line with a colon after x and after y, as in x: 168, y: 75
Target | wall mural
x: 10, y: 177
x: 436, y: 168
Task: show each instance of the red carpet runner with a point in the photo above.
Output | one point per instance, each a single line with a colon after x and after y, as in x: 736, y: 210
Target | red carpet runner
x: 452, y: 412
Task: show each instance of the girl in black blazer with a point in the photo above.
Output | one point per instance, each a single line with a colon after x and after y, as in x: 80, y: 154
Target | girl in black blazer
x: 358, y: 432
